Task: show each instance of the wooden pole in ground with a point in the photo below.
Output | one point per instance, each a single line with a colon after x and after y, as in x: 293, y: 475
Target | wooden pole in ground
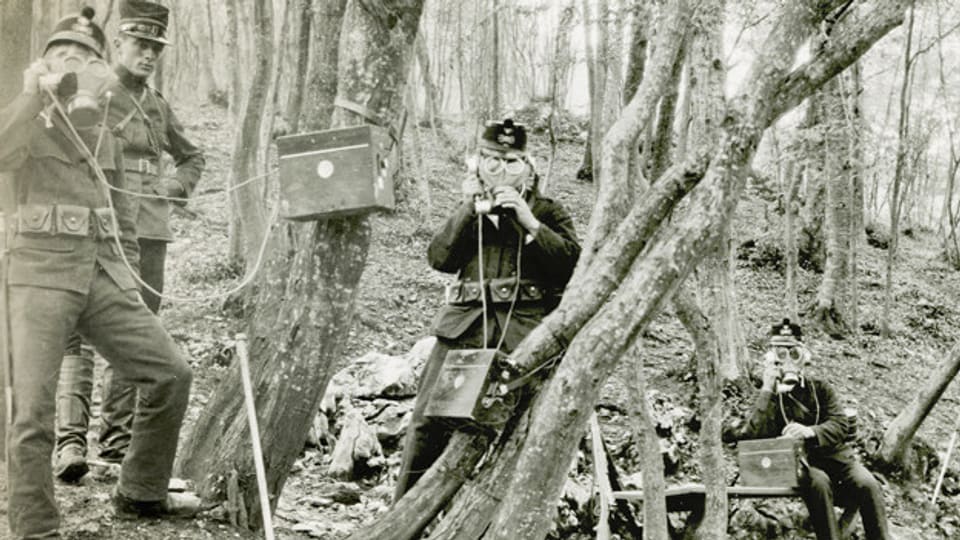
x: 255, y: 436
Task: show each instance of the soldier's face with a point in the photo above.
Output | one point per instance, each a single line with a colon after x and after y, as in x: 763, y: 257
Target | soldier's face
x: 138, y: 55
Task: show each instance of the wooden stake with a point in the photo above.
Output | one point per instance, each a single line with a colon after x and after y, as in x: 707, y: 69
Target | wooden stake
x: 255, y: 437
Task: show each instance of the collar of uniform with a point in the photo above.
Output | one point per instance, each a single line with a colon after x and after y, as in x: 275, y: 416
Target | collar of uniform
x: 130, y: 80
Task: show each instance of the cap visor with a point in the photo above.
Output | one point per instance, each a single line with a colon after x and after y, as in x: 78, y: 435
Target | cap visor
x: 147, y: 37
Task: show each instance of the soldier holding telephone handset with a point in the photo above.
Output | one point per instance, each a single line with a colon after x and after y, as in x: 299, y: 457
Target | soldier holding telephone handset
x: 795, y: 406
x: 529, y: 250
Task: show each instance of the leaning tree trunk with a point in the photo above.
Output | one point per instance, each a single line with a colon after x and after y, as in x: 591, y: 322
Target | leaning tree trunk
x: 248, y: 221
x: 15, y: 31
x: 900, y: 432
x: 307, y: 301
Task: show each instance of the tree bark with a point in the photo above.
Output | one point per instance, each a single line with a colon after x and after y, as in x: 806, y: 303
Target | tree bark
x: 900, y: 432
x: 308, y: 297
x: 248, y: 218
x: 903, y: 132
x: 645, y: 432
x: 833, y: 305
x: 707, y: 354
x: 302, y: 63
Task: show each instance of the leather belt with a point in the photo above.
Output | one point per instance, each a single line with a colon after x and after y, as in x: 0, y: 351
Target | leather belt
x: 142, y: 165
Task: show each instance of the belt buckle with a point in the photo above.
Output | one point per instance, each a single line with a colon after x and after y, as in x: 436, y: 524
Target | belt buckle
x: 143, y: 166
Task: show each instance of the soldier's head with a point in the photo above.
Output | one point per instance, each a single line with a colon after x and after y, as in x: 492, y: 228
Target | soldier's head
x: 787, y: 352
x: 75, y: 48
x: 75, y: 40
x: 502, y: 158
x: 141, y: 39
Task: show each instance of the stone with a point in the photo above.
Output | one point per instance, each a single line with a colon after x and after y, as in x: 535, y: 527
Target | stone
x: 357, y: 450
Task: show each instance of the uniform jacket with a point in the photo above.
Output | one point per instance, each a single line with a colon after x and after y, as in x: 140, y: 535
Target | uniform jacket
x: 545, y: 264
x: 50, y: 176
x: 147, y: 139
x: 813, y: 403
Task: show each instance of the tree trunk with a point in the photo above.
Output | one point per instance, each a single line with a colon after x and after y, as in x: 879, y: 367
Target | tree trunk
x: 900, y: 432
x: 833, y: 311
x: 307, y: 300
x: 708, y: 354
x: 248, y: 219
x: 645, y: 433
x: 15, y: 29
x: 793, y: 175
x: 903, y: 132
x: 297, y: 86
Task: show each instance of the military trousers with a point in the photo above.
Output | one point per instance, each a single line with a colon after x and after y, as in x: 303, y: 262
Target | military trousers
x: 75, y: 391
x: 845, y: 482
x: 131, y: 338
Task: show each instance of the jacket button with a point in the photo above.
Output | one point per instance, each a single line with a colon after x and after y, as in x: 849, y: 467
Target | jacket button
x: 504, y: 289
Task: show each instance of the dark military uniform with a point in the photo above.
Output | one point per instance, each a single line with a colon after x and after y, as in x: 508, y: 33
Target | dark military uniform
x: 148, y: 127
x: 65, y: 273
x: 833, y: 466
x: 539, y: 266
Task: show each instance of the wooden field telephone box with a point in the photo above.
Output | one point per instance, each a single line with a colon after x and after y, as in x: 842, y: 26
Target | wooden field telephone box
x: 771, y: 462
x: 336, y: 172
x: 461, y: 384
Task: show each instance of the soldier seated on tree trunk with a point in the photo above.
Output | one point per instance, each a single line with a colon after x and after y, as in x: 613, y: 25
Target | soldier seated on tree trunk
x: 529, y: 247
x: 792, y: 405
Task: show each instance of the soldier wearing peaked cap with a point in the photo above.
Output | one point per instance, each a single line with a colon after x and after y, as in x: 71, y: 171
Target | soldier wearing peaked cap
x: 66, y: 272
x: 140, y: 117
x: 528, y: 253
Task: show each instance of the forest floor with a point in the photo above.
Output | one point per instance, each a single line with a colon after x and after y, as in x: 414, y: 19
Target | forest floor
x: 399, y: 295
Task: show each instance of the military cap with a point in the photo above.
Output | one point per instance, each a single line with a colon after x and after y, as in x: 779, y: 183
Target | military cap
x: 146, y: 20
x: 505, y: 136
x: 81, y: 29
x: 787, y: 330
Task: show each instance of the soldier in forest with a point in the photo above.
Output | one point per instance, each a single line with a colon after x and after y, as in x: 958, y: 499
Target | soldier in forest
x: 147, y: 126
x: 71, y: 260
x: 792, y: 405
x: 529, y: 250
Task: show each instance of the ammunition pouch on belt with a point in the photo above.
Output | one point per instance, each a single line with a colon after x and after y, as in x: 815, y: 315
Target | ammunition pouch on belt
x: 501, y: 291
x: 65, y: 220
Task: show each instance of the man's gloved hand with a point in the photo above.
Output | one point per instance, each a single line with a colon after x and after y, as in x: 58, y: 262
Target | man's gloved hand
x: 794, y: 430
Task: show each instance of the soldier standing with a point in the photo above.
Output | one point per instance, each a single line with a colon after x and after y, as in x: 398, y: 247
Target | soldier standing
x: 147, y: 126
x: 66, y: 273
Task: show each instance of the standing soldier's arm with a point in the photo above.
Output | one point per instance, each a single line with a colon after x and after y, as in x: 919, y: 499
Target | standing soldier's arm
x: 188, y: 157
